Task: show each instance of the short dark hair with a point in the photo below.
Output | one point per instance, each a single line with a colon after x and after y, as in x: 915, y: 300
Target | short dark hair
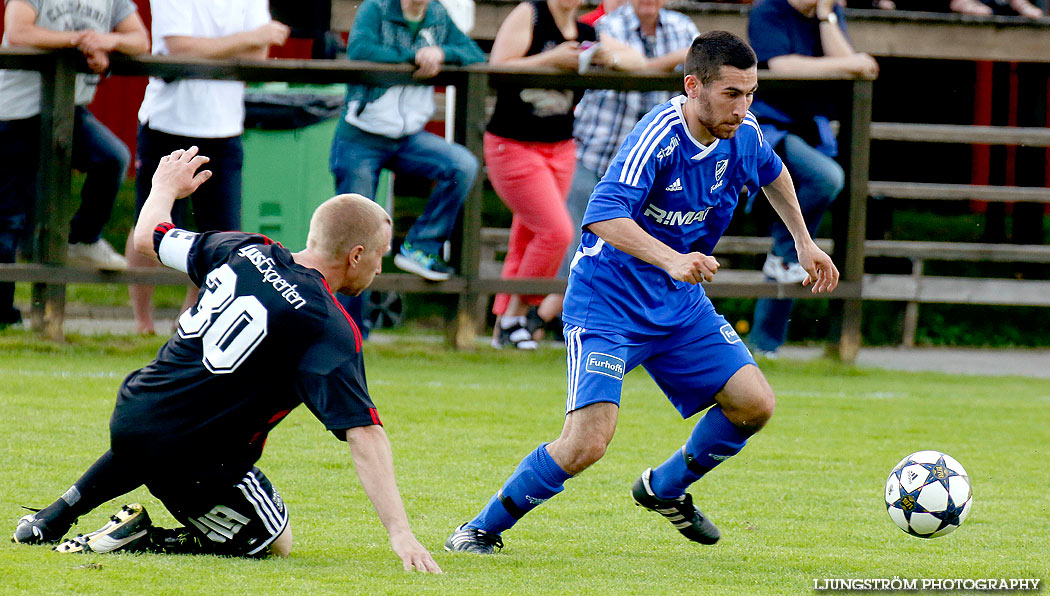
x: 713, y: 50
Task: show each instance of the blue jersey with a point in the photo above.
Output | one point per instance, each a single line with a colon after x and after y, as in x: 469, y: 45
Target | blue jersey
x: 680, y: 192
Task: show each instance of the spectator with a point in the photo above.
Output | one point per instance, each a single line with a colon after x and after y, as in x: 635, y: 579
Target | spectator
x: 529, y: 149
x: 606, y: 116
x: 383, y: 126
x: 799, y: 36
x: 209, y: 114
x: 96, y: 29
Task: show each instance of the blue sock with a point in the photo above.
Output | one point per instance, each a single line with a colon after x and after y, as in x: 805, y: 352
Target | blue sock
x: 537, y: 479
x: 714, y: 440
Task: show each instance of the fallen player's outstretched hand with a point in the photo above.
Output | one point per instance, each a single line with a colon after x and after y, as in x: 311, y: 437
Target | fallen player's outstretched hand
x: 821, y: 271
x: 177, y: 173
x: 414, y: 556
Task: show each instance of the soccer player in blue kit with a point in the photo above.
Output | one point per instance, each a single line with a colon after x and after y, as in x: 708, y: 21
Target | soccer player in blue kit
x: 634, y: 296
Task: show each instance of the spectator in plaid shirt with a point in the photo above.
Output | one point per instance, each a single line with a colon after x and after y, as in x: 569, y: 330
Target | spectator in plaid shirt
x: 604, y: 117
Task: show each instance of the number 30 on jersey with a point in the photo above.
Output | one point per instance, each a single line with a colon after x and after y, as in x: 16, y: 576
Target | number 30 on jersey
x: 229, y: 326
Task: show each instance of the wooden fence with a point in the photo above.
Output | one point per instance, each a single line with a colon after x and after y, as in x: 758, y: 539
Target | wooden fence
x: 49, y: 275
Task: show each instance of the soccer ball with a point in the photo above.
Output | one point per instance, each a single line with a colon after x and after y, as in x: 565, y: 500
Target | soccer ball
x: 928, y: 494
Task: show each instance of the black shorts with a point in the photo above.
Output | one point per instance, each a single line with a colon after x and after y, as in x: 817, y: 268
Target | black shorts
x: 239, y: 520
x: 216, y: 204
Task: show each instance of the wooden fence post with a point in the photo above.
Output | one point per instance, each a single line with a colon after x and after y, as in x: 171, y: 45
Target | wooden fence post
x: 54, y: 184
x: 849, y: 242
x: 470, y: 115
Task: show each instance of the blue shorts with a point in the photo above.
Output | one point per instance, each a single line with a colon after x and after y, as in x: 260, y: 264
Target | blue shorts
x: 690, y: 365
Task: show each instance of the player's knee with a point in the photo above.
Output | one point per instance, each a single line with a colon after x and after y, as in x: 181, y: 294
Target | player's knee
x: 760, y: 411
x: 749, y: 401
x: 583, y: 454
x: 592, y: 451
x: 282, y: 545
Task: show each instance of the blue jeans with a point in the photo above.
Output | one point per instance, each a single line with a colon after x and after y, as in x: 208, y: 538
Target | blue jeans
x: 818, y: 181
x: 583, y: 182
x: 97, y: 152
x: 358, y: 156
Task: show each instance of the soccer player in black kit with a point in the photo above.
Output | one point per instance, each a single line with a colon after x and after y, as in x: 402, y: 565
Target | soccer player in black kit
x: 265, y: 335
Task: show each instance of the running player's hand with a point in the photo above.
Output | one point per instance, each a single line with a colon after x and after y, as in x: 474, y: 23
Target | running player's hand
x: 693, y: 267
x: 821, y: 271
x: 414, y: 556
x: 177, y: 173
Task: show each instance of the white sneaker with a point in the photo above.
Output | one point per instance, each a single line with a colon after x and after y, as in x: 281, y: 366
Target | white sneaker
x: 789, y: 273
x: 97, y: 255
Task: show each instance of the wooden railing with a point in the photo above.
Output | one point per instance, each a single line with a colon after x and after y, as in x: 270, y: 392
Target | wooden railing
x: 881, y: 33
x: 49, y: 276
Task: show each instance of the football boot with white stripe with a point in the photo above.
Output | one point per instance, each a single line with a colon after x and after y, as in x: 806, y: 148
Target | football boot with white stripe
x: 125, y: 530
x: 473, y: 540
x: 681, y: 512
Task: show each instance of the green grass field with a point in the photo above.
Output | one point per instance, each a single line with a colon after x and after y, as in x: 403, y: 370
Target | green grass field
x: 802, y: 502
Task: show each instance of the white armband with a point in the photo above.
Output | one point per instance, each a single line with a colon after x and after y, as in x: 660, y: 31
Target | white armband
x: 174, y: 250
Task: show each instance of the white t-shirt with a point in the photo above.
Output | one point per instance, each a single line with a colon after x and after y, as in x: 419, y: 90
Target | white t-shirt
x: 20, y: 89
x: 199, y: 108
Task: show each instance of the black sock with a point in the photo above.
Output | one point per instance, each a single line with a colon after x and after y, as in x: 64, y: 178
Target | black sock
x: 108, y: 478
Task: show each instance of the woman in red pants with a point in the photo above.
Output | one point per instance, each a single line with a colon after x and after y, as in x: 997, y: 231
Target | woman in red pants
x: 529, y: 149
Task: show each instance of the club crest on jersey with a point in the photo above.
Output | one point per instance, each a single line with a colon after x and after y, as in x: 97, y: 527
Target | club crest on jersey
x: 606, y: 364
x: 674, y: 218
x: 720, y: 169
x: 729, y: 333
x: 669, y: 149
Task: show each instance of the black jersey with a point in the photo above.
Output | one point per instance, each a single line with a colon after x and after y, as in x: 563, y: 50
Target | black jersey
x: 265, y: 335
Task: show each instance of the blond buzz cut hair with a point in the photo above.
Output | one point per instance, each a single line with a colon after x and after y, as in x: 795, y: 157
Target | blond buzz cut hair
x: 343, y: 222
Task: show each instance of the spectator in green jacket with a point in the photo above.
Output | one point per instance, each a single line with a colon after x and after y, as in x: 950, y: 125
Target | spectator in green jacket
x: 382, y: 127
